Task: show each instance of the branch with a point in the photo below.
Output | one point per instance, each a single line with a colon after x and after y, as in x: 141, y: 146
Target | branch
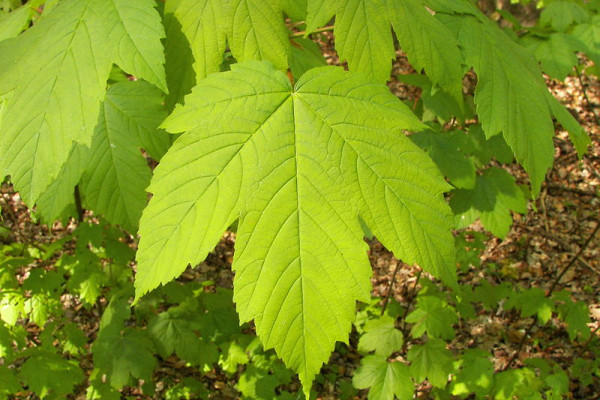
x: 554, y: 284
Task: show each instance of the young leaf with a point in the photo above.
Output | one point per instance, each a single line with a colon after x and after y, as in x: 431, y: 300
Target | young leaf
x: 384, y: 379
x: 476, y: 375
x: 381, y: 336
x: 174, y: 334
x: 9, y: 384
x: 45, y: 372
x: 561, y: 14
x: 297, y: 167
x: 589, y: 35
x: 454, y: 164
x: 431, y: 361
x: 532, y: 302
x: 434, y: 317
x: 258, y: 383
x: 121, y: 355
x: 117, y: 174
x: 575, y: 314
x: 494, y: 196
x: 557, y: 53
x: 53, y: 76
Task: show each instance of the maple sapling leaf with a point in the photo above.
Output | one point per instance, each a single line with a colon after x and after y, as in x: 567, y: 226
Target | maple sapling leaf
x: 297, y: 167
x: 53, y: 77
x: 384, y: 379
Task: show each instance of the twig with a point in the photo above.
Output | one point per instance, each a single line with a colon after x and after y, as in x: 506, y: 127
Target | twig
x: 592, y: 335
x: 577, y: 255
x: 390, y: 288
x: 19, y: 233
x: 296, y: 24
x: 318, y: 30
x: 587, y: 99
x: 549, y: 292
x: 571, y: 190
x: 544, y: 208
x: 410, y: 301
x: 564, y: 246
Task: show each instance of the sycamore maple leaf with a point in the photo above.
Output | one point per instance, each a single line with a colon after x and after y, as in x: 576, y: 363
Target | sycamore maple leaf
x: 199, y: 31
x: 363, y: 37
x: 298, y: 167
x: 53, y: 77
x: 511, y: 95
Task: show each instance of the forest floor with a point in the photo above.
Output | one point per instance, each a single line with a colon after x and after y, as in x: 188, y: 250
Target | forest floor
x: 540, y: 248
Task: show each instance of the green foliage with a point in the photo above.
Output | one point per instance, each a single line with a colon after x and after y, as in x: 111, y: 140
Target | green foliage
x: 432, y: 316
x: 492, y: 199
x: 73, y: 49
x: 276, y: 154
x: 384, y: 379
x: 380, y: 335
x: 431, y: 361
x: 47, y: 372
x: 305, y: 164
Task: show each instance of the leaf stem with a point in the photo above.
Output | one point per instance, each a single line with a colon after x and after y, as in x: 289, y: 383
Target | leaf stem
x: 572, y: 262
x: 390, y: 288
x: 587, y: 99
x: 328, y: 28
x: 592, y: 335
x: 410, y: 301
x: 78, y: 206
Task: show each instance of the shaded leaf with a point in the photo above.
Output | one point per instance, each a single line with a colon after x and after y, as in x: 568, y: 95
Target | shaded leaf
x: 384, y: 379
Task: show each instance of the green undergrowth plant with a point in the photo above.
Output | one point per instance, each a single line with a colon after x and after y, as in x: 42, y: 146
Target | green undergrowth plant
x: 564, y: 30
x: 233, y: 101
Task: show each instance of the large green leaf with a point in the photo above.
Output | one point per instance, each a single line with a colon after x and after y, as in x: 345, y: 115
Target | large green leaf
x: 429, y: 45
x: 511, y: 94
x: 13, y: 23
x: 297, y: 167
x: 363, y: 37
x: 135, y: 31
x: 58, y: 200
x: 116, y: 175
x: 319, y: 12
x: 53, y: 77
x: 254, y: 30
